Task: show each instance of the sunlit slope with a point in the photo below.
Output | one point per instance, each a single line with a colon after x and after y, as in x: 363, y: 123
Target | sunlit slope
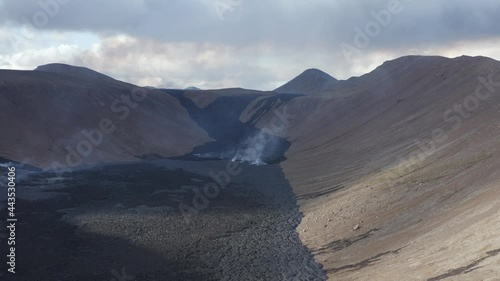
x: 397, y: 172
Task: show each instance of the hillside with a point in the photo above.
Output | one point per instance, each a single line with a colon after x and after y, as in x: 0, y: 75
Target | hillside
x: 73, y: 116
x: 396, y: 171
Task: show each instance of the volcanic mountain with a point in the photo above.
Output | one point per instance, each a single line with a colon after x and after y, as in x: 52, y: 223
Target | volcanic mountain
x: 311, y: 81
x: 68, y: 116
x: 395, y: 172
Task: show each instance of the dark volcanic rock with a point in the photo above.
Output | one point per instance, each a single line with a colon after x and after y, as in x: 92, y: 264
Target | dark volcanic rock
x: 124, y: 220
x: 221, y: 120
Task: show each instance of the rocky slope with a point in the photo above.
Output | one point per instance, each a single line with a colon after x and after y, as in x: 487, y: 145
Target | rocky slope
x: 397, y: 171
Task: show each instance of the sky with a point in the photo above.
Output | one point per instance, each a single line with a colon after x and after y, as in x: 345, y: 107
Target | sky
x: 256, y: 44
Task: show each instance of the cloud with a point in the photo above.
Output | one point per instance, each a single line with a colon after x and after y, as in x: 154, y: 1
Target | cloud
x: 278, y: 22
x: 228, y: 43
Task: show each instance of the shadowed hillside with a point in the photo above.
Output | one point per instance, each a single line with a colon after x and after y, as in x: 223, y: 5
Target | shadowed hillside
x: 83, y: 117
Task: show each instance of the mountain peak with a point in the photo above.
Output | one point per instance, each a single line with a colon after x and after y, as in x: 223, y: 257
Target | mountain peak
x: 315, y: 71
x: 67, y: 69
x: 311, y: 81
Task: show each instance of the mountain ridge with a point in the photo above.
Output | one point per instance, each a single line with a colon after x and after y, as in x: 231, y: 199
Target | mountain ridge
x: 67, y: 69
x: 310, y: 81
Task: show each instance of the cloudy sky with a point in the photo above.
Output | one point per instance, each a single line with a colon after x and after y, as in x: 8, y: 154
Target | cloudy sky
x: 240, y: 43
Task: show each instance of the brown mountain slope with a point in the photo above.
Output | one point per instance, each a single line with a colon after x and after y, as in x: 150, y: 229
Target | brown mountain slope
x: 311, y: 81
x: 397, y: 172
x: 49, y: 118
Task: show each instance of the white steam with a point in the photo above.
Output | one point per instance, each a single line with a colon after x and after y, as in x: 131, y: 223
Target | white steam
x: 252, y: 149
x: 7, y: 165
x: 20, y: 172
x: 210, y: 155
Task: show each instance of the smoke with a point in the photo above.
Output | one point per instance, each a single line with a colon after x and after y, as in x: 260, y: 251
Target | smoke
x: 252, y: 149
x: 256, y: 149
x: 214, y: 155
x: 23, y: 171
x: 19, y: 173
x: 7, y: 165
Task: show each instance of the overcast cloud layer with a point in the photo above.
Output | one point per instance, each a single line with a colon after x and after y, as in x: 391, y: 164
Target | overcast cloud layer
x: 239, y: 43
